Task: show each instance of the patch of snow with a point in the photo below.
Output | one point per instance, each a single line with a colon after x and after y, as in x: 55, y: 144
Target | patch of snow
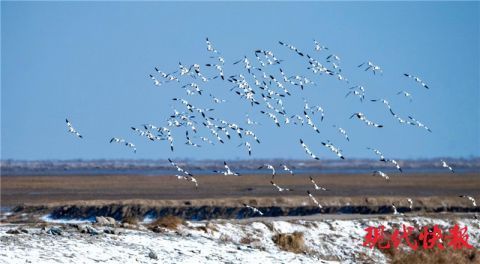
x: 49, y: 219
x: 221, y: 241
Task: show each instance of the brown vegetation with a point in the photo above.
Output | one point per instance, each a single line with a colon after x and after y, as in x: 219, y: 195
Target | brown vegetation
x: 132, y: 220
x: 168, y: 222
x: 421, y: 255
x: 437, y: 256
x: 247, y: 240
x: 290, y: 242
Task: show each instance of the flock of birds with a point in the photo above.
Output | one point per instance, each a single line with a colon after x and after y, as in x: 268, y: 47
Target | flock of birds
x: 259, y: 87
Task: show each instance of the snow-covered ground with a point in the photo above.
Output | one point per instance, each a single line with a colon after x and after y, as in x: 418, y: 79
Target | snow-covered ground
x: 219, y: 241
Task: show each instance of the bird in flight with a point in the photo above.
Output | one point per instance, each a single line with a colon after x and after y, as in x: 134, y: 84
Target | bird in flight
x: 370, y: 66
x: 334, y: 149
x: 270, y: 167
x: 179, y: 168
x: 445, y: 165
x: 227, y: 171
x: 418, y: 80
x: 406, y: 94
x: 314, y: 200
x: 308, y: 150
x: 280, y: 189
x: 188, y: 178
x: 382, y: 174
x: 378, y: 153
x: 362, y: 117
x: 123, y: 141
x: 72, y: 130
x: 343, y: 132
x: 319, y: 188
x: 410, y: 203
x: 255, y: 210
x: 285, y: 168
x: 474, y: 203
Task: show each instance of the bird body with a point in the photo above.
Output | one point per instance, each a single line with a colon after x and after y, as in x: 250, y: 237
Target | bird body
x: 72, y: 130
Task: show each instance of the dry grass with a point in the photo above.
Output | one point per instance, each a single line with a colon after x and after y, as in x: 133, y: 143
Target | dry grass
x: 247, y: 240
x: 437, y: 256
x: 290, y: 242
x: 430, y: 256
x: 170, y: 222
x: 132, y: 220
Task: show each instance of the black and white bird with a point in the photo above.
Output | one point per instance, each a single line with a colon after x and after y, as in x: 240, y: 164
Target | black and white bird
x: 386, y: 103
x: 395, y: 212
x: 297, y: 120
x: 280, y: 189
x: 269, y: 56
x: 132, y: 146
x: 205, y: 139
x: 474, y: 203
x: 308, y: 150
x: 396, y: 164
x: 318, y: 188
x: 169, y: 136
x: 358, y: 90
x: 246, y: 64
x: 179, y: 168
x: 250, y: 133
x: 168, y: 76
x: 72, y: 130
x: 382, y: 174
x: 285, y: 168
x: 332, y: 57
x: 248, y: 146
x: 310, y: 122
x: 406, y: 94
x: 272, y: 116
x: 418, y: 80
x: 362, y: 117
x: 378, y: 153
x: 343, y: 132
x: 123, y: 141
x: 217, y: 100
x: 357, y: 93
x: 146, y: 134
x: 291, y: 47
x: 334, y: 149
x: 219, y: 68
x: 370, y: 66
x: 156, y: 82
x: 189, y: 141
x: 419, y: 124
x: 227, y: 171
x: 270, y: 167
x: 210, y: 46
x: 188, y: 178
x: 194, y: 86
x: 319, y: 47
x: 314, y: 200
x: 410, y: 203
x: 255, y: 210
x: 445, y: 165
x: 318, y: 109
x: 250, y: 121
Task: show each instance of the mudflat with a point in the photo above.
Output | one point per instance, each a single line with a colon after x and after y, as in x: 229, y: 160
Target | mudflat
x: 346, y: 188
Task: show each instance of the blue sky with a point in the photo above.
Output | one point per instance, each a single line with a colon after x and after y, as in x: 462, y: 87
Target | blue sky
x: 90, y: 62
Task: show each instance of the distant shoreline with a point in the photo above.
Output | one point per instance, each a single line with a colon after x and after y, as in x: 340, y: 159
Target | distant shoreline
x: 203, y: 167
